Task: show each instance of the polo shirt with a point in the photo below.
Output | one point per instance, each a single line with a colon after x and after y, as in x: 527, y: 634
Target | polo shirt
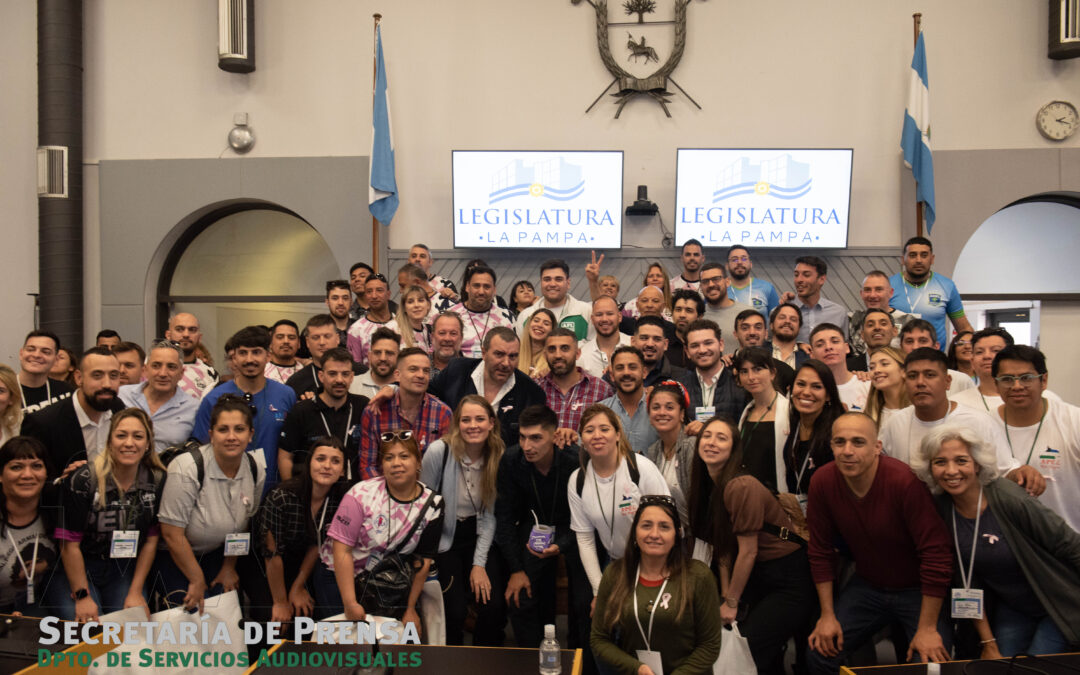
x: 173, y: 421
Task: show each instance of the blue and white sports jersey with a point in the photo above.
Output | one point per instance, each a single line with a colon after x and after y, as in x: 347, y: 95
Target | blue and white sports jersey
x: 758, y: 293
x: 937, y: 300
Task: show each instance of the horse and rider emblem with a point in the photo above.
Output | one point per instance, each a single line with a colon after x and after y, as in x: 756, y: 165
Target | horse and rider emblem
x: 655, y: 33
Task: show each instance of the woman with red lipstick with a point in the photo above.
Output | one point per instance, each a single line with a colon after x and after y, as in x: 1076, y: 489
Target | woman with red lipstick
x: 764, y: 574
x: 291, y: 526
x: 815, y: 405
x: 1018, y: 557
x: 109, y: 529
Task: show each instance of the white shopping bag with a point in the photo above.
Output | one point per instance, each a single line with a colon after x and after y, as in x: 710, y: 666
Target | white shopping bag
x: 432, y: 613
x: 735, y: 657
x: 219, y: 609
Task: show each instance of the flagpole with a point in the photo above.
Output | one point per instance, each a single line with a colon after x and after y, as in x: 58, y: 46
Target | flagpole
x: 374, y: 68
x: 917, y: 20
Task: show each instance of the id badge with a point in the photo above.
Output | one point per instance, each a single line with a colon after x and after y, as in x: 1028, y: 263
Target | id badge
x: 803, y: 501
x: 652, y: 660
x: 704, y: 413
x: 237, y: 544
x: 29, y: 591
x: 967, y: 603
x: 125, y: 544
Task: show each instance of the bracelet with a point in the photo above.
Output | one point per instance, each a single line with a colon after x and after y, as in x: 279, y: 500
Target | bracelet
x: 986, y: 642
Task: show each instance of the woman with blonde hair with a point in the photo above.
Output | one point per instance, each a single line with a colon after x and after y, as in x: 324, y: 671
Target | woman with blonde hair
x: 10, y: 404
x: 108, y: 528
x: 657, y: 277
x: 414, y: 319
x: 462, y: 466
x: 531, y: 358
x: 888, y: 393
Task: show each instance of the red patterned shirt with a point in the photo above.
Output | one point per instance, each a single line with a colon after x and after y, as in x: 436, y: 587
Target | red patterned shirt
x: 570, y: 405
x: 432, y: 422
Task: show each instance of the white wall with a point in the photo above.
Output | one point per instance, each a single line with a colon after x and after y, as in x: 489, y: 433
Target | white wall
x: 1060, y: 324
x: 496, y: 74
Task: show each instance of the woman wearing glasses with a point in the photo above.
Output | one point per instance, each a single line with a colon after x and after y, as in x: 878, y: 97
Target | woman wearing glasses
x: 1020, y: 557
x: 108, y: 528
x: 656, y: 608
x: 26, y: 549
x: 815, y: 405
x: 462, y: 466
x: 209, y: 498
x: 764, y: 573
x: 673, y: 452
x: 960, y: 353
x: 765, y: 425
x: 291, y: 526
x: 393, y: 513
x: 604, y: 492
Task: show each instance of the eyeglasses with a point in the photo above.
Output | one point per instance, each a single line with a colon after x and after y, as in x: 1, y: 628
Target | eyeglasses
x: 963, y: 343
x: 711, y: 280
x: 245, y: 398
x: 656, y: 500
x: 740, y: 259
x: 390, y: 436
x: 1027, y: 379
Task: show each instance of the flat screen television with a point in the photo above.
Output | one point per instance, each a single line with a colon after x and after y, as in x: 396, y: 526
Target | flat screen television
x: 763, y: 198
x: 537, y: 199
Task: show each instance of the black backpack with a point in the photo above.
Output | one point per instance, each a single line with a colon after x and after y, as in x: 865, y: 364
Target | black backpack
x: 631, y: 464
x: 194, y: 448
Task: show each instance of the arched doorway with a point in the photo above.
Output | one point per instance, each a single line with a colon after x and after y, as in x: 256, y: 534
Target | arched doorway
x: 244, y: 264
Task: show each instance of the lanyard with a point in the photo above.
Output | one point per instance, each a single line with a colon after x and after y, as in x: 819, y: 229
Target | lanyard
x: 652, y: 612
x: 966, y: 579
x: 554, y: 492
x: 322, y: 519
x: 596, y: 486
x: 344, y: 436
x: 753, y: 428
x: 48, y: 393
x: 18, y: 556
x: 798, y: 478
x: 487, y: 318
x: 920, y: 296
x: 1037, y: 430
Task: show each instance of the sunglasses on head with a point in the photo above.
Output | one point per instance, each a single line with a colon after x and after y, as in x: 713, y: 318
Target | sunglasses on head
x: 244, y: 398
x: 390, y: 436
x: 656, y: 500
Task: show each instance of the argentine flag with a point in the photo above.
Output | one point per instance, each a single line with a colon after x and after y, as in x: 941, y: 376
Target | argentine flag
x: 915, y: 141
x: 382, y: 191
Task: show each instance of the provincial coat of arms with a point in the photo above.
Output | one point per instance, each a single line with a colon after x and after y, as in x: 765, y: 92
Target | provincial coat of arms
x: 637, y: 66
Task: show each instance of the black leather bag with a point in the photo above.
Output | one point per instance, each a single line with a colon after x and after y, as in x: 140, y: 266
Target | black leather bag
x: 384, y: 589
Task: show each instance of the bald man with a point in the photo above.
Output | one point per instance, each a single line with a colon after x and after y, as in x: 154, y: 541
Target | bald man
x: 199, y: 377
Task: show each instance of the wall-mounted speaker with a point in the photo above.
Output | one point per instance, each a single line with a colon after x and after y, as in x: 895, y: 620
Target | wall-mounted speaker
x: 1064, y: 29
x: 236, y: 35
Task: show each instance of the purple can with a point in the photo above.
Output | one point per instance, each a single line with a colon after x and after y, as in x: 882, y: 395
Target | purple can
x: 541, y: 537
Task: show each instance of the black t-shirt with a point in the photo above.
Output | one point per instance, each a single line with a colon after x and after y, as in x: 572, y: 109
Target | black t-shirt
x: 312, y: 418
x: 307, y: 380
x: 83, y: 520
x: 36, y: 398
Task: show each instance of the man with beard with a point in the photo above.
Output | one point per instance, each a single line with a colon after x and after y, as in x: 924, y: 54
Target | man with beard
x: 334, y: 412
x: 693, y: 257
x: 383, y: 355
x: 927, y: 380
x: 77, y: 428
x: 358, y: 274
x: 568, y: 388
x: 446, y: 331
x: 36, y: 358
x: 925, y: 294
x: 320, y: 336
x: 629, y: 401
x: 270, y: 401
x: 596, y: 353
x: 750, y: 332
x: 495, y: 377
x: 876, y: 330
x: 827, y: 345
x: 337, y: 303
x: 745, y: 288
x: 132, y: 358
x: 199, y: 377
x: 414, y: 275
x: 555, y: 295
x: 786, y: 322
x: 650, y: 339
x: 284, y: 342
x: 810, y: 277
x: 719, y: 307
x: 711, y: 385
x: 377, y: 295
x: 687, y: 307
x: 170, y: 409
x: 479, y: 313
x: 875, y: 293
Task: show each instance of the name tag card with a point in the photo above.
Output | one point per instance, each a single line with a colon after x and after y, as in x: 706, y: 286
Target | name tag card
x: 704, y: 413
x: 237, y: 544
x: 967, y: 603
x: 652, y: 660
x: 125, y: 544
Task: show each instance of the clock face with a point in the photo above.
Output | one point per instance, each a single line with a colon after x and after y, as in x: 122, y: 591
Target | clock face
x: 1057, y: 120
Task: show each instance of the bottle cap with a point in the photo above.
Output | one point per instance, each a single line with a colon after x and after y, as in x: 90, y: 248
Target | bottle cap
x: 549, y: 631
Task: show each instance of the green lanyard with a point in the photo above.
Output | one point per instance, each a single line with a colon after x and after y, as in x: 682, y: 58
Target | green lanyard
x: 1005, y: 414
x: 746, y: 435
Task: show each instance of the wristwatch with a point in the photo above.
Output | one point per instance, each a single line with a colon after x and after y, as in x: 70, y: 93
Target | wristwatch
x: 80, y: 594
x: 731, y: 602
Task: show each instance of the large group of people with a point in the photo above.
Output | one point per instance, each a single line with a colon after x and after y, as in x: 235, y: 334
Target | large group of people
x: 711, y: 452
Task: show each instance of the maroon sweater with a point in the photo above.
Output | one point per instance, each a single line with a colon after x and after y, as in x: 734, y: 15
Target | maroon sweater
x: 895, y: 533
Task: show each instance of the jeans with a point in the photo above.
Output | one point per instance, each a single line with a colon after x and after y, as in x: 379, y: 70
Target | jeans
x: 172, y: 582
x: 1018, y: 633
x: 528, y: 620
x: 327, y: 594
x: 863, y: 610
x: 108, y: 581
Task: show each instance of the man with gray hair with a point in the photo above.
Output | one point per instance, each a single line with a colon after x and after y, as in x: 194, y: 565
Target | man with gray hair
x: 170, y: 409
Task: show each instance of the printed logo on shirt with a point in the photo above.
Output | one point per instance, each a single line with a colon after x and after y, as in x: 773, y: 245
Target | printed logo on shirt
x: 935, y: 299
x: 627, y: 506
x: 757, y: 303
x: 381, y: 524
x: 1050, y: 460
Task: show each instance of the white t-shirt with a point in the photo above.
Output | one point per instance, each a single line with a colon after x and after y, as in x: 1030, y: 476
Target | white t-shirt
x: 904, y: 432
x: 960, y: 382
x: 1055, y: 452
x: 593, y: 360
x: 853, y: 393
x: 593, y: 509
x: 974, y: 398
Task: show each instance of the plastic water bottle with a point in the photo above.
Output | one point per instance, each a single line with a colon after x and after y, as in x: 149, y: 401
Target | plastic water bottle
x: 550, y: 663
